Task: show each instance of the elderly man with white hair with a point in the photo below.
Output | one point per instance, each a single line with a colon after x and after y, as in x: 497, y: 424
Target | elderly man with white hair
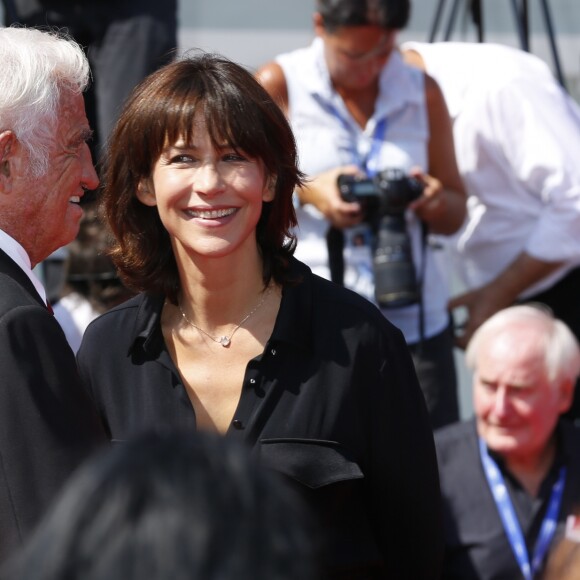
x: 511, y: 476
x: 48, y: 423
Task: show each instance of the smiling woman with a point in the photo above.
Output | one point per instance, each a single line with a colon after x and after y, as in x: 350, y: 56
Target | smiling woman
x: 203, y: 126
x: 232, y: 334
x: 209, y: 198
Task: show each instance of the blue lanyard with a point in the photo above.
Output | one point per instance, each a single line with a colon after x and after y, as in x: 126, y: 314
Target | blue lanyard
x: 509, y: 519
x: 370, y: 162
x: 374, y: 153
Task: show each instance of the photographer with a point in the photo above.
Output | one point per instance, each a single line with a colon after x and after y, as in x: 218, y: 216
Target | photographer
x: 357, y: 109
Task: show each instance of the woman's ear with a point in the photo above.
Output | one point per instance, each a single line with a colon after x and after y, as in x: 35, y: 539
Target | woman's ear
x: 145, y: 193
x: 269, y: 192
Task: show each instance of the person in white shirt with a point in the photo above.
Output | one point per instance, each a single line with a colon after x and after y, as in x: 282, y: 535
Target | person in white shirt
x: 357, y: 108
x: 517, y: 138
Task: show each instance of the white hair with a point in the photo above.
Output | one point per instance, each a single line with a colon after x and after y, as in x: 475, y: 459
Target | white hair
x: 37, y: 66
x: 561, y: 349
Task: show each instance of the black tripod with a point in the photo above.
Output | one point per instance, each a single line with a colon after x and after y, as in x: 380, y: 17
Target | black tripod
x: 521, y: 18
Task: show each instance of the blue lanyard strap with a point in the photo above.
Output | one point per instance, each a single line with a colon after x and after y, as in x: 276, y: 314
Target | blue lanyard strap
x: 509, y: 519
x: 370, y: 162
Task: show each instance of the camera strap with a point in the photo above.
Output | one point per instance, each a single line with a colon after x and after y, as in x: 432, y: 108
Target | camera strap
x: 420, y: 280
x: 335, y: 245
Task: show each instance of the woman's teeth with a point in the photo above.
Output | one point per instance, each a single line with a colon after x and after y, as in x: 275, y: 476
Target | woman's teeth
x: 212, y: 214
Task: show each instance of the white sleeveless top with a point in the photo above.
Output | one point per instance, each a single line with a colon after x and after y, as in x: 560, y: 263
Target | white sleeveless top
x: 395, y: 137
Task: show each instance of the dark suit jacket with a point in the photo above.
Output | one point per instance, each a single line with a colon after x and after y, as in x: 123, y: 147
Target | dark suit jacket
x: 476, y: 545
x: 48, y: 424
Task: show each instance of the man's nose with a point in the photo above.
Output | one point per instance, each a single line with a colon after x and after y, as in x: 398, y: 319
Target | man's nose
x: 501, y: 401
x: 89, y: 177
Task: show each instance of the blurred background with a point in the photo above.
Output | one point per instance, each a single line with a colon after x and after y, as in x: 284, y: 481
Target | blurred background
x: 253, y: 31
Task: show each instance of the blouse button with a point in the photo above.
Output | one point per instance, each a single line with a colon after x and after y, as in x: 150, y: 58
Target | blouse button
x: 252, y: 381
x: 237, y: 424
x: 273, y: 351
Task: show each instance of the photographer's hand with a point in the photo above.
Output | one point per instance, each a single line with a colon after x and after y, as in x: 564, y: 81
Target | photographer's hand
x: 500, y: 293
x: 322, y: 192
x: 481, y: 304
x: 442, y: 209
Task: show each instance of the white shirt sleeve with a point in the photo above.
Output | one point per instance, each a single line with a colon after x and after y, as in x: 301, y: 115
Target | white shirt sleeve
x: 538, y: 127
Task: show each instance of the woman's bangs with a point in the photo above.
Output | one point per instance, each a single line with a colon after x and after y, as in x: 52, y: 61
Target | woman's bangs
x: 180, y: 118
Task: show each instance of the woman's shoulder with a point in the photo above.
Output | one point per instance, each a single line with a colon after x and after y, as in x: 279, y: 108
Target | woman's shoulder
x: 340, y: 306
x: 123, y: 319
x: 124, y: 309
x: 408, y: 76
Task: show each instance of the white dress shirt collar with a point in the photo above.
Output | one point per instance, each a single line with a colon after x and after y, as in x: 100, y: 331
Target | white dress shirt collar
x: 9, y: 245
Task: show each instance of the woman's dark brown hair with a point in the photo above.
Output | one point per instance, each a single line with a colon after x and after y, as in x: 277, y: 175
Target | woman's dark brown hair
x: 162, y: 109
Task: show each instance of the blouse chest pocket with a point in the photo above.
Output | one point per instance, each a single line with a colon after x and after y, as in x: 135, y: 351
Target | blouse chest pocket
x: 332, y: 484
x: 313, y: 463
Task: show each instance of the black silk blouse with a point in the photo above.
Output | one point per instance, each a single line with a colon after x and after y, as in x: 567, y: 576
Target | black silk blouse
x: 332, y: 403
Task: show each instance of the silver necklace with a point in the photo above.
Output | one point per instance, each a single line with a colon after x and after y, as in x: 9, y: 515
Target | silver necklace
x: 225, y: 340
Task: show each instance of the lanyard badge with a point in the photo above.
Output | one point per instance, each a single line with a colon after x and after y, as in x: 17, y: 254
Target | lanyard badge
x: 510, y: 521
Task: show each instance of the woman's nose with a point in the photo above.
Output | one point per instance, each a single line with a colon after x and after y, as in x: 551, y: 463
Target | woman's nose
x: 208, y: 180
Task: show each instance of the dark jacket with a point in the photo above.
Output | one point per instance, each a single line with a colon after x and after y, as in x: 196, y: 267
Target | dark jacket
x: 476, y: 545
x: 48, y: 423
x: 332, y: 403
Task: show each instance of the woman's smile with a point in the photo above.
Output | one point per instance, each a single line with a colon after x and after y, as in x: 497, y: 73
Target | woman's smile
x: 211, y: 214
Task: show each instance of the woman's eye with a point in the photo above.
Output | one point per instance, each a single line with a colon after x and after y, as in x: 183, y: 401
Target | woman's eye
x: 233, y: 157
x: 181, y: 159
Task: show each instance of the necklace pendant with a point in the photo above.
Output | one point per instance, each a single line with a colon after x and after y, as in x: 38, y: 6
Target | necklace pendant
x: 224, y: 341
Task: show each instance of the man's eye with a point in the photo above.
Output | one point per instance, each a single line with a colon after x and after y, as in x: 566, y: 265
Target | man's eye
x: 520, y: 392
x: 73, y: 151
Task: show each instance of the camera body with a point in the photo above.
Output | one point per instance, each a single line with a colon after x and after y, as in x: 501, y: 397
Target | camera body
x: 384, y: 199
x: 388, y: 193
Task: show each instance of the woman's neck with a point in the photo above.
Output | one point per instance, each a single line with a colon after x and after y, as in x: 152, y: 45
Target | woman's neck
x: 220, y: 291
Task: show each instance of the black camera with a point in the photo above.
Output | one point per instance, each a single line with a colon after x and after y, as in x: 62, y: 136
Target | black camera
x: 384, y: 199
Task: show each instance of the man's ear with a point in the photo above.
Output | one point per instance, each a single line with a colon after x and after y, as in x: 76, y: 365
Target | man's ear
x: 8, y: 144
x: 566, y: 395
x: 145, y: 193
